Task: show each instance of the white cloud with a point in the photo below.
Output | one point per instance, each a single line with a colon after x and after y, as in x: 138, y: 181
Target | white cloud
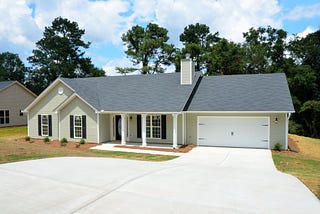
x: 110, y: 66
x: 102, y: 20
x: 230, y: 17
x: 300, y: 12
x: 307, y: 31
x: 17, y: 28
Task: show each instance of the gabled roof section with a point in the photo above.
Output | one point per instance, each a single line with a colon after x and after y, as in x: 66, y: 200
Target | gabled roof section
x: 134, y: 93
x: 7, y: 84
x: 252, y: 93
x: 44, y: 93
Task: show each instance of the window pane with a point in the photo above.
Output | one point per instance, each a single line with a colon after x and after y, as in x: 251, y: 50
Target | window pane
x: 77, y: 121
x: 44, y: 119
x: 7, y: 113
x: 156, y: 120
x: 44, y: 130
x: 1, y: 120
x: 1, y: 113
x: 7, y: 120
x: 78, y: 132
x: 156, y: 132
x: 148, y: 121
x: 148, y: 132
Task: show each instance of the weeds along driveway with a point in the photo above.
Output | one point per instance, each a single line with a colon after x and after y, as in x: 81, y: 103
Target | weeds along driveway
x: 206, y: 180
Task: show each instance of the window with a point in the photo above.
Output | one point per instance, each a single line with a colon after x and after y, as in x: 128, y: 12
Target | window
x: 153, y: 126
x: 44, y: 125
x: 77, y: 127
x: 4, y: 117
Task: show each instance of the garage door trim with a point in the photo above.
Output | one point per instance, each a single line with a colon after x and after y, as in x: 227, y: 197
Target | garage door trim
x: 265, y: 117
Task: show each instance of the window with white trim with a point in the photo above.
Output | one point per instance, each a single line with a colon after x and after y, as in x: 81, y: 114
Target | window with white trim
x: 4, y: 117
x: 44, y: 125
x: 77, y: 126
x: 153, y: 126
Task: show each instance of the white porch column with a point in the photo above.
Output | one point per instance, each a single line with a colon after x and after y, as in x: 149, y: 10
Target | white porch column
x: 143, y: 129
x: 123, y: 129
x: 174, y: 134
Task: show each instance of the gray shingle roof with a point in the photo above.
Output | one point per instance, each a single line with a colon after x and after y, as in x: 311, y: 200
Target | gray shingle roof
x: 134, y: 93
x: 5, y: 84
x: 253, y: 92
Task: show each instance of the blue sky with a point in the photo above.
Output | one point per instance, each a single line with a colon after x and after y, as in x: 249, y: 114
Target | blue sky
x: 23, y: 21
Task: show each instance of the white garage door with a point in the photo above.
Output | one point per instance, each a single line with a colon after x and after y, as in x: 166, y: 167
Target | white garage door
x: 249, y: 132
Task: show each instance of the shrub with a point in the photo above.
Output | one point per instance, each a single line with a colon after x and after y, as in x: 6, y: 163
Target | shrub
x: 63, y: 141
x: 295, y: 128
x: 82, y: 141
x: 277, y: 147
x: 27, y: 138
x: 46, y: 140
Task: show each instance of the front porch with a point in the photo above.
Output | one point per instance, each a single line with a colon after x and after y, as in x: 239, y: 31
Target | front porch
x: 162, y: 130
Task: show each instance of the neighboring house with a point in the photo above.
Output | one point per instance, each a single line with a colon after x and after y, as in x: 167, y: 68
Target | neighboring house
x: 176, y: 108
x: 14, y: 97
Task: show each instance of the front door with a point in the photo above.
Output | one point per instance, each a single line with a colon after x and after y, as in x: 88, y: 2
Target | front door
x: 118, y: 127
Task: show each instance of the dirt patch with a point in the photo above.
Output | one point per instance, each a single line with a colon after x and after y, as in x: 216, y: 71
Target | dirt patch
x: 293, y: 146
x: 182, y: 149
x: 57, y: 144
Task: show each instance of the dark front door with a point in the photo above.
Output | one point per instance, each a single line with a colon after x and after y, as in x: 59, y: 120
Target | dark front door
x: 118, y: 127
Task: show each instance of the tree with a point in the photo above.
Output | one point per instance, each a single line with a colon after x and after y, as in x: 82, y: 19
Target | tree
x: 265, y: 48
x: 61, y: 53
x: 225, y: 58
x: 148, y: 47
x: 197, y: 41
x: 11, y: 67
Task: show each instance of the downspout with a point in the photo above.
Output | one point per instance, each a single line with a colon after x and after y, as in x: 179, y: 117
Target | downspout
x: 287, y: 129
x: 98, y: 127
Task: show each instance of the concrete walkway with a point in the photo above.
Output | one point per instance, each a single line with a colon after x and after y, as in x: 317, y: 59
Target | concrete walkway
x: 206, y: 180
x: 111, y: 147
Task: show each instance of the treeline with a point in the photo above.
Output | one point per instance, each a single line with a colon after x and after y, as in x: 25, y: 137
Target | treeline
x: 264, y: 50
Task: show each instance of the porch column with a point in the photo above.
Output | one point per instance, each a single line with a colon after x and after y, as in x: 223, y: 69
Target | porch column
x: 143, y: 129
x: 174, y: 134
x: 123, y: 129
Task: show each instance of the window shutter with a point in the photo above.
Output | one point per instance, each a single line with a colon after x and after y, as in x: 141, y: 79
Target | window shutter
x: 71, y: 127
x: 139, y: 126
x: 84, y: 127
x: 50, y: 125
x: 39, y: 124
x: 163, y: 126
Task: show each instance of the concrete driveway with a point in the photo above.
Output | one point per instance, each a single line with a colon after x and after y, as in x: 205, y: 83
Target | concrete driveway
x: 206, y: 180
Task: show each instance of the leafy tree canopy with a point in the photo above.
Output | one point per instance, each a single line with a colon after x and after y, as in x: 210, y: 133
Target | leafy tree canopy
x: 60, y: 53
x: 149, y: 47
x: 11, y: 67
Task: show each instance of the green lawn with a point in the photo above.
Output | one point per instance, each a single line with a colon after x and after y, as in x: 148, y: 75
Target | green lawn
x: 304, y: 164
x: 12, y: 150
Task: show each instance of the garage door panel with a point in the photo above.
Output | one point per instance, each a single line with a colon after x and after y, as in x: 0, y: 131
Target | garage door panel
x: 234, y: 131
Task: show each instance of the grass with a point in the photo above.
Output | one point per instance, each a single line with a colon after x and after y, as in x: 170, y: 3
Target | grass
x: 12, y: 133
x: 11, y: 150
x: 304, y: 164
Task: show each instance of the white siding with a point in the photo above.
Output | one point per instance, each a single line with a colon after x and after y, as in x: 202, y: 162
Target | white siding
x: 78, y: 107
x: 47, y: 105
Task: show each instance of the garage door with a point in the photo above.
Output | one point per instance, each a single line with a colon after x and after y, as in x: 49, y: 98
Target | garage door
x: 248, y: 132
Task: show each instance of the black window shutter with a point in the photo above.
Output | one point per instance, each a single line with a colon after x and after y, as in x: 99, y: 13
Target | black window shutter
x: 139, y: 126
x: 84, y: 127
x: 71, y: 127
x: 39, y: 124
x: 163, y: 126
x: 50, y: 125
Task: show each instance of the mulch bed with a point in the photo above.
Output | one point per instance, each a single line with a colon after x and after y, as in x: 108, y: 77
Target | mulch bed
x: 182, y: 149
x: 56, y: 144
x: 292, y: 144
